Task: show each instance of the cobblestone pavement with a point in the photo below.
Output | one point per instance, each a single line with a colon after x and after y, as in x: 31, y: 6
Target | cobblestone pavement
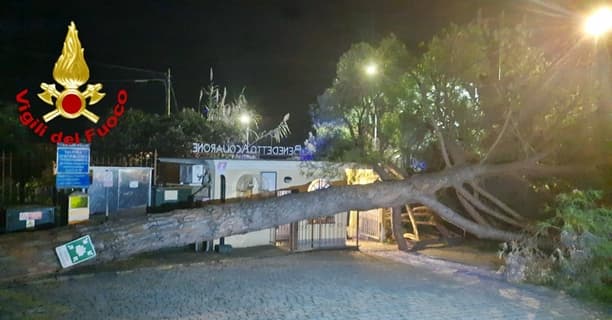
x: 316, y: 285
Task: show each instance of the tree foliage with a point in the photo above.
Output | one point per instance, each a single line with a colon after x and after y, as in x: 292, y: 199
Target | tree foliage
x: 169, y: 135
x: 217, y: 122
x: 26, y: 161
x: 344, y: 116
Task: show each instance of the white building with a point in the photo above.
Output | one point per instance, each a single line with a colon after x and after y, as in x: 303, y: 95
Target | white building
x: 220, y: 179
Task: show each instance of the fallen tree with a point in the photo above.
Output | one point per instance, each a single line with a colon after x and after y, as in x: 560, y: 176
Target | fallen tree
x: 447, y: 104
x: 32, y: 253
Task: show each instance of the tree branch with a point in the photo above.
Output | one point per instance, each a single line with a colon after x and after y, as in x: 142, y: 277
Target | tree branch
x: 484, y: 208
x: 471, y: 210
x: 456, y: 219
x: 499, y: 136
x: 442, y: 145
x: 527, y: 148
x: 495, y: 200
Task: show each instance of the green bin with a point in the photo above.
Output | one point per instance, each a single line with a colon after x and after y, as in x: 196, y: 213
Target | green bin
x: 164, y: 195
x: 29, y: 218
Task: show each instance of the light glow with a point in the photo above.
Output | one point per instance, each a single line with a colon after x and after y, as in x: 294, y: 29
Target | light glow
x: 245, y: 119
x: 371, y: 69
x: 599, y: 22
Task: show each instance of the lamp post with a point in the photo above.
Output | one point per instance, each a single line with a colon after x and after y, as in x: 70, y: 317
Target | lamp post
x: 371, y: 70
x: 246, y: 119
x: 167, y: 85
x: 597, y: 25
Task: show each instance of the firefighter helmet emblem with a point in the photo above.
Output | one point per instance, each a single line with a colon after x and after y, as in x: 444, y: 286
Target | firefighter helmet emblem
x: 71, y: 72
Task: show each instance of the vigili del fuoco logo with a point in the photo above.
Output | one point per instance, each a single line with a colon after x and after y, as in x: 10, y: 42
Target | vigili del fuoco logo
x: 67, y: 100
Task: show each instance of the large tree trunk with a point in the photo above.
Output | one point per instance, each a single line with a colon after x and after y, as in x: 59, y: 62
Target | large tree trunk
x: 32, y: 253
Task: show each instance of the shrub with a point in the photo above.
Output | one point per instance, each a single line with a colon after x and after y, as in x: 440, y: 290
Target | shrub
x: 572, y: 250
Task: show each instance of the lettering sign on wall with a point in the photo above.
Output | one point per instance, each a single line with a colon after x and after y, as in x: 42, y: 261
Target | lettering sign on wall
x: 239, y: 149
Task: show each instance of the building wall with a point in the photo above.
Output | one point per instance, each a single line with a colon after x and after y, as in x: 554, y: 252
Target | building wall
x: 288, y: 174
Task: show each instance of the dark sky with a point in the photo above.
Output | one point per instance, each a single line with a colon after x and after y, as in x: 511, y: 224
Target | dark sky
x: 283, y: 52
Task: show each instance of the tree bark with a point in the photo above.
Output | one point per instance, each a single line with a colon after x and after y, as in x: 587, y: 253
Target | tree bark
x: 471, y: 210
x: 398, y: 232
x: 32, y: 253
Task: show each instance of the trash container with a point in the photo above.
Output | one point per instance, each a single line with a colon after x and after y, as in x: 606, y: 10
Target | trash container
x: 29, y: 218
x: 165, y: 195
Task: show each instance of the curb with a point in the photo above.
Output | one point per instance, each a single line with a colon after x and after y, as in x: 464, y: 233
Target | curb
x: 160, y: 267
x: 436, y: 265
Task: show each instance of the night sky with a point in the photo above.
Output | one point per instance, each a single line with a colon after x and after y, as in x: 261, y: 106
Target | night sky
x: 283, y: 53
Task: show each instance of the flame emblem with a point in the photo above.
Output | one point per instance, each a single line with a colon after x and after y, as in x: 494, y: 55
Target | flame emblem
x: 71, y: 72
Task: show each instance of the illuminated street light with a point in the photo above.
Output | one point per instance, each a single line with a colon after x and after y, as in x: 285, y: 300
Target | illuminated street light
x: 371, y: 69
x: 599, y: 22
x: 167, y: 85
x: 246, y: 119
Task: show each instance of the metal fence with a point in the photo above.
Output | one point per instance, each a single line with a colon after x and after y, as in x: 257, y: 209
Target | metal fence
x: 371, y: 224
x: 311, y: 234
x: 27, y: 176
x: 319, y: 233
x: 104, y: 158
x: 6, y: 178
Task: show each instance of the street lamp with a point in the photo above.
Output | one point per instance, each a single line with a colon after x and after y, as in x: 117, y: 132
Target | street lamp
x: 167, y: 85
x: 599, y: 22
x: 371, y: 70
x: 596, y: 25
x: 246, y: 119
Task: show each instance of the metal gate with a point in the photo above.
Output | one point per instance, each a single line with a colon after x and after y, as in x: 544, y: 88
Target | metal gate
x: 281, y: 236
x: 371, y: 224
x: 310, y: 234
x: 319, y: 233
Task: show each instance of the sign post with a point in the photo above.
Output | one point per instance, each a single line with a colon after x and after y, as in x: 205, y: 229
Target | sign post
x: 107, y: 183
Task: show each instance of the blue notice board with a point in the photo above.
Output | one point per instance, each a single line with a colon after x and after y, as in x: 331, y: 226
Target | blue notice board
x: 72, y: 166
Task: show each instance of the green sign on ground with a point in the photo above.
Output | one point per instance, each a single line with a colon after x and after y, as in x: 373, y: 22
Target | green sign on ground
x: 76, y: 251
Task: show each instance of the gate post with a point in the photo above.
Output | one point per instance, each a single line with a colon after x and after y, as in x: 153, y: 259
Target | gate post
x: 381, y: 219
x: 293, y: 236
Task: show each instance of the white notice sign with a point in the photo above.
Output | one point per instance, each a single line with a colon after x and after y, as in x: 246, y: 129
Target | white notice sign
x: 107, y: 179
x: 33, y: 215
x: 171, y: 195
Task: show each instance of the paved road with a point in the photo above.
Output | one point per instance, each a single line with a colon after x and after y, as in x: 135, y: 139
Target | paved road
x: 317, y: 285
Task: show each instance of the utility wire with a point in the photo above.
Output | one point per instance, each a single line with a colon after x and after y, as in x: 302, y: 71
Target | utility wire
x: 116, y: 66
